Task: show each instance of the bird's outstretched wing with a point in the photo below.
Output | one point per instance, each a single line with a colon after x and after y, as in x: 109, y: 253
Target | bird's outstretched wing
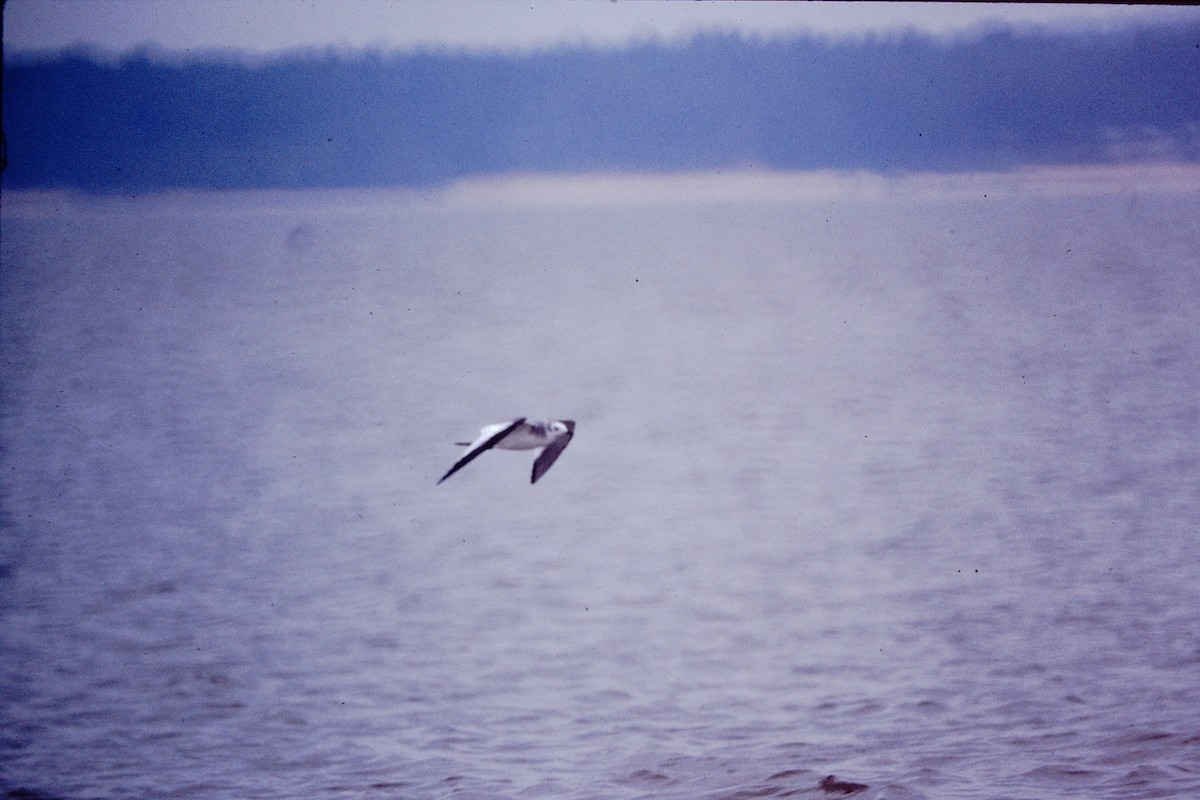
x: 484, y: 443
x: 551, y: 453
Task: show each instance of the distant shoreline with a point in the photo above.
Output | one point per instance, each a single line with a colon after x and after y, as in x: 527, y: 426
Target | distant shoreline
x: 645, y: 189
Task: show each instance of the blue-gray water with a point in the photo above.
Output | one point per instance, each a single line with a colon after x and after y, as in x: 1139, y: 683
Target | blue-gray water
x: 898, y: 485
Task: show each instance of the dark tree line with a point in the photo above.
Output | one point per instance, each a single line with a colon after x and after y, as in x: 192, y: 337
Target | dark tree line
x: 897, y: 103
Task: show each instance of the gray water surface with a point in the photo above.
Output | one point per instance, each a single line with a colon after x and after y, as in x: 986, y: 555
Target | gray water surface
x: 901, y: 488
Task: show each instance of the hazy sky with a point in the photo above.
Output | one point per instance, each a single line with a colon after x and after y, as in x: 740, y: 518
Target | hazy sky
x: 266, y: 26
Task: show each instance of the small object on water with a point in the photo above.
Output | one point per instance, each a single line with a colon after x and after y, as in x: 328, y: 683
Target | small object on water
x: 831, y: 784
x: 517, y: 434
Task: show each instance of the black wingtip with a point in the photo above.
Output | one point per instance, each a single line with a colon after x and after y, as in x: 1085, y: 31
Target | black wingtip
x: 469, y: 457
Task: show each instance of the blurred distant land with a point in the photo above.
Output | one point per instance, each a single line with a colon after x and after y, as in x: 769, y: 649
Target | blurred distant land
x: 995, y: 99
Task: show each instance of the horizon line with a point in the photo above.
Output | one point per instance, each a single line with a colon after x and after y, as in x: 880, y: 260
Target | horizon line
x: 32, y: 31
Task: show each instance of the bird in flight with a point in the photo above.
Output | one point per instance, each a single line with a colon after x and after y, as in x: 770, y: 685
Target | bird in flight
x: 518, y: 434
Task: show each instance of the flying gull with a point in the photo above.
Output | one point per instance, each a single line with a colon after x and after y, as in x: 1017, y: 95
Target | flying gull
x: 517, y: 434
